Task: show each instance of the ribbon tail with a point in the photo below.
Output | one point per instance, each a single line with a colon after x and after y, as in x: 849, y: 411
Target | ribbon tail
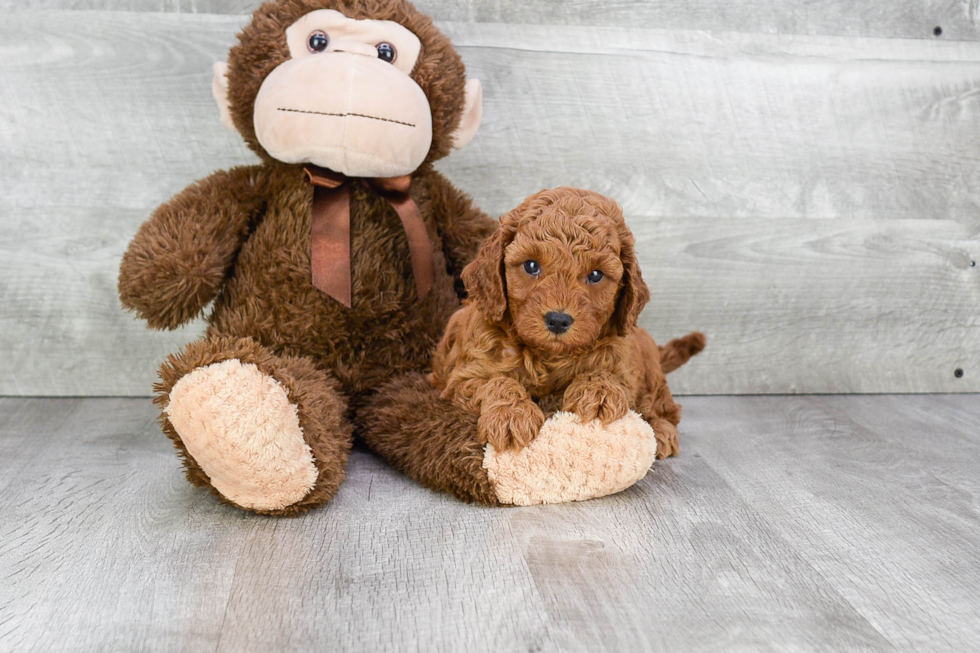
x: 330, y: 242
x: 419, y: 245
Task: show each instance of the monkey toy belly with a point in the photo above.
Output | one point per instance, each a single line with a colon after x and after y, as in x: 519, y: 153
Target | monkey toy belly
x: 387, y: 329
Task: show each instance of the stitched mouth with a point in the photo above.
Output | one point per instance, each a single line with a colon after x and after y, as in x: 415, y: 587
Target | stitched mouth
x: 344, y: 115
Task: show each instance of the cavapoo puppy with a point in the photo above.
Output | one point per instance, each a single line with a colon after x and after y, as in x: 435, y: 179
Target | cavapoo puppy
x: 550, y: 323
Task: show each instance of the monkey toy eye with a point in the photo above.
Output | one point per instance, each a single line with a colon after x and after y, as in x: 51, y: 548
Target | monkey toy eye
x: 318, y: 41
x: 386, y: 52
x: 595, y: 276
x: 532, y: 268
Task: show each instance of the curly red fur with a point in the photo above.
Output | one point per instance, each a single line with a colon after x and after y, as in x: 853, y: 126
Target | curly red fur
x: 499, y: 359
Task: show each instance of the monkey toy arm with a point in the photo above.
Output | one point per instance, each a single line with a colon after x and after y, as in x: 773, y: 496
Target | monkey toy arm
x: 181, y: 256
x: 463, y: 227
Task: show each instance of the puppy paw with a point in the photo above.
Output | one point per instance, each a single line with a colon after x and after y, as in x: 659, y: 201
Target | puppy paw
x: 667, y: 443
x: 597, y: 398
x: 510, y: 427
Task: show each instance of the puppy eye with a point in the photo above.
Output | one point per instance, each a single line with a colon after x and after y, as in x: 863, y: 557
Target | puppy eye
x: 318, y: 41
x: 532, y: 267
x: 595, y: 276
x: 386, y: 52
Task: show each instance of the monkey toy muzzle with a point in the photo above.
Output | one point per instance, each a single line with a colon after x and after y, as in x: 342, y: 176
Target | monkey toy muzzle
x: 344, y: 110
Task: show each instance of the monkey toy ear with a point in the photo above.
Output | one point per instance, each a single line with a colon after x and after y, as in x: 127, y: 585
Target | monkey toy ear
x: 219, y: 89
x: 469, y: 123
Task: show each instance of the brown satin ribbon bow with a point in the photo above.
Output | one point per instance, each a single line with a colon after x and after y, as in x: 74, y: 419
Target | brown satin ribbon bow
x: 330, y: 233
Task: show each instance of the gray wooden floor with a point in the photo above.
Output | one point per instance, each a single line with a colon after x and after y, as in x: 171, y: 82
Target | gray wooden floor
x: 788, y: 523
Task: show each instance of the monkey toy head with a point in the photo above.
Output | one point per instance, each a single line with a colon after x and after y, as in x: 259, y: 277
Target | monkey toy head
x: 367, y: 88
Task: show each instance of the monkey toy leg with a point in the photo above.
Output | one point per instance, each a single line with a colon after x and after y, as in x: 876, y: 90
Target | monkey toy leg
x: 427, y: 438
x: 436, y: 443
x: 266, y: 433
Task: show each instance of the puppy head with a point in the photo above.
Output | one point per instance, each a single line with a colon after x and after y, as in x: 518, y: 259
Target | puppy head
x: 562, y: 270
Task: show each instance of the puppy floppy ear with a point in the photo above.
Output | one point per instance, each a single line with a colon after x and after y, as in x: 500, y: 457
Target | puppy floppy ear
x: 633, y: 293
x: 485, y: 279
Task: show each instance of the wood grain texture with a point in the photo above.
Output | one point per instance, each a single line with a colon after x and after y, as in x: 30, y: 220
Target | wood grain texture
x: 810, y: 202
x: 799, y: 305
x: 896, y: 19
x: 787, y: 523
x: 882, y: 490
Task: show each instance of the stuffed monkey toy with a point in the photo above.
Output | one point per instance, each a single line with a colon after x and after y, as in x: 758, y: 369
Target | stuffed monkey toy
x: 330, y: 268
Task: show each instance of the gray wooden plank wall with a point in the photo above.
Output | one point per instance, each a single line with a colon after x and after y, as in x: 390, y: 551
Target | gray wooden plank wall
x: 804, y: 181
x: 895, y: 19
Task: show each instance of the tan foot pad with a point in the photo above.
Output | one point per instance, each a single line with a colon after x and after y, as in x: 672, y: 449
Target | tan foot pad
x: 571, y: 461
x: 241, y: 428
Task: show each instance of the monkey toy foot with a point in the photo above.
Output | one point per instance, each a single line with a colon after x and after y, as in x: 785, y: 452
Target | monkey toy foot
x: 573, y: 461
x: 266, y: 433
x: 437, y: 444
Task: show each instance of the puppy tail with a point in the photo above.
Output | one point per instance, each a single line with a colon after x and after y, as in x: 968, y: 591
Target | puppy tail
x: 679, y: 350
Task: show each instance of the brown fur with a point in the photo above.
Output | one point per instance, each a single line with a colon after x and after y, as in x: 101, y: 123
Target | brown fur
x: 680, y: 350
x: 497, y: 358
x: 242, y: 239
x: 428, y: 438
x: 320, y: 406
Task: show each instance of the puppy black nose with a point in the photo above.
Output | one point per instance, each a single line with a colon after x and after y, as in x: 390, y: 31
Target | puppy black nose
x: 558, y: 322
